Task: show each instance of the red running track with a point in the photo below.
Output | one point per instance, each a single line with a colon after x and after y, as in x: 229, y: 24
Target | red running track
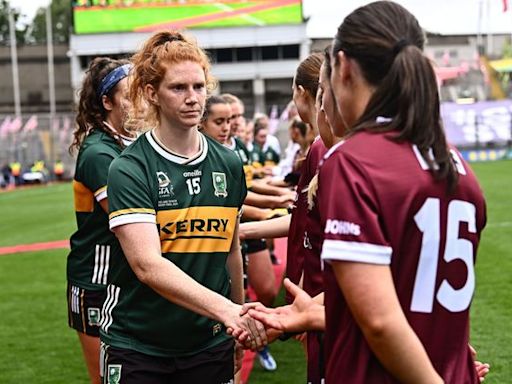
x: 280, y: 246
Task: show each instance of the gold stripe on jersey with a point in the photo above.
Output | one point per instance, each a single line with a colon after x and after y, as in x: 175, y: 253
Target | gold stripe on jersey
x: 249, y: 175
x: 101, y: 190
x: 129, y: 211
x: 197, y: 229
x: 84, y: 198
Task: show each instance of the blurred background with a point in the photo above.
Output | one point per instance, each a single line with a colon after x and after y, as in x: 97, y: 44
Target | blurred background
x: 255, y: 47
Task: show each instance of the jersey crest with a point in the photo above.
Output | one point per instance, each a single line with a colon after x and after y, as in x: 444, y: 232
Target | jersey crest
x: 219, y: 184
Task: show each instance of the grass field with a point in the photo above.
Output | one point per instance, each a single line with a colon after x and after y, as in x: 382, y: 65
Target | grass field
x: 124, y: 19
x: 37, y: 347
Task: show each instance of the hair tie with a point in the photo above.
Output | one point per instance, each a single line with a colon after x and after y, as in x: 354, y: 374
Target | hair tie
x: 399, y: 45
x: 169, y: 39
x: 112, y: 78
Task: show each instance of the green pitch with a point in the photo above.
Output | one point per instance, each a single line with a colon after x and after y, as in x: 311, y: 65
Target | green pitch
x: 38, y: 347
x: 105, y: 20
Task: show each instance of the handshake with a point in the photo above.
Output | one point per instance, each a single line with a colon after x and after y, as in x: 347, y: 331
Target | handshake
x: 255, y: 325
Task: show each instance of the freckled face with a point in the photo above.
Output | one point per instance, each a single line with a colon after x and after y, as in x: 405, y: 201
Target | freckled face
x: 181, y: 95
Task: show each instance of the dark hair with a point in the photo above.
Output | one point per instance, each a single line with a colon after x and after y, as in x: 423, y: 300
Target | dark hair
x: 327, y: 61
x: 300, y: 125
x: 260, y: 122
x: 211, y: 101
x: 258, y: 125
x: 91, y: 112
x: 308, y: 72
x: 387, y: 42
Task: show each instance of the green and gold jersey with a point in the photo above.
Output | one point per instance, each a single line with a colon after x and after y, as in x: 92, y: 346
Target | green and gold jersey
x: 270, y: 156
x: 194, y: 204
x: 88, y: 261
x: 256, y: 155
x: 237, y: 146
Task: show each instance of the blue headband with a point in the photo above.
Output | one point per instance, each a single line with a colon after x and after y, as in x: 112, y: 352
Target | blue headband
x: 113, y: 77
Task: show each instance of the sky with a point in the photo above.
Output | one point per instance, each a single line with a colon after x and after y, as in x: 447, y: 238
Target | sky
x: 438, y: 16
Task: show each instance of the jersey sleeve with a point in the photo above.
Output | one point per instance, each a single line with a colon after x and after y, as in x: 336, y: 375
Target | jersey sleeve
x: 95, y: 171
x: 350, y: 213
x: 243, y: 187
x: 129, y: 196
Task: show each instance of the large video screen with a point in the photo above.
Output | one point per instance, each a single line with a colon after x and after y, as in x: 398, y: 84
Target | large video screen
x: 104, y: 16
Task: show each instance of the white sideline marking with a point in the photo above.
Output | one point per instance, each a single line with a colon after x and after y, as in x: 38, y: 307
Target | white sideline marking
x: 249, y: 18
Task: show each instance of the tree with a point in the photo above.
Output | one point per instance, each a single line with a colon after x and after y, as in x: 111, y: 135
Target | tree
x: 61, y: 23
x: 4, y: 24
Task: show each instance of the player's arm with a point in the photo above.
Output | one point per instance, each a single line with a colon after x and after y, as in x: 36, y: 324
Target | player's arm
x: 261, y: 186
x: 304, y: 314
x: 268, y: 201
x: 377, y: 311
x: 141, y: 246
x: 234, y: 266
x: 272, y: 228
x: 104, y: 204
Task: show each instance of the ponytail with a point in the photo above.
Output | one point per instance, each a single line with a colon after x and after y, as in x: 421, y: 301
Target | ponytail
x: 391, y: 58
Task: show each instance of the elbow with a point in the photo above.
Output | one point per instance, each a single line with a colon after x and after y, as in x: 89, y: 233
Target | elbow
x: 143, y: 273
x: 375, y: 329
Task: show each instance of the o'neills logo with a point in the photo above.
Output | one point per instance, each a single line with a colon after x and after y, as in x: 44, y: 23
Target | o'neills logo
x: 195, y: 173
x: 340, y: 227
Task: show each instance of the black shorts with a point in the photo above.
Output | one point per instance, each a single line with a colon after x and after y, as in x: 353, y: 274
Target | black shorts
x: 125, y: 366
x: 255, y: 245
x: 84, y: 309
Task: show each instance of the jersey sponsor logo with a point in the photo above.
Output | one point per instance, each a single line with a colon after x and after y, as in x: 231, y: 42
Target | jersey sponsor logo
x: 340, y: 227
x: 93, y: 316
x: 165, y: 188
x: 84, y: 197
x: 194, y: 173
x: 114, y: 373
x: 197, y: 229
x: 195, y: 225
x: 219, y: 184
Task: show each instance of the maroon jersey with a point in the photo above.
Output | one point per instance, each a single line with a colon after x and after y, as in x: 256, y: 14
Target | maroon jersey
x: 312, y: 281
x: 298, y: 235
x: 380, y: 204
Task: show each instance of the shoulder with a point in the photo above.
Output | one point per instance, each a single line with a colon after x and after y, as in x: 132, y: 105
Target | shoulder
x: 318, y: 149
x: 373, y: 149
x: 99, y: 143
x: 217, y: 149
x: 240, y: 144
x: 133, y: 158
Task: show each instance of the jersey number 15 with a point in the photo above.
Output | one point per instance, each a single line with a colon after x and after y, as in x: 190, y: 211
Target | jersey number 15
x: 428, y: 220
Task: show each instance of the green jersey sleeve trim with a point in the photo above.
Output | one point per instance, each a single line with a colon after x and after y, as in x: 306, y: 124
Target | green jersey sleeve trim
x: 101, y: 193
x: 132, y: 218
